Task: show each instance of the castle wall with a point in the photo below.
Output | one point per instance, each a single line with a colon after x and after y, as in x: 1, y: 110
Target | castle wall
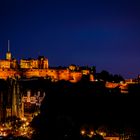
x: 5, y: 73
x: 31, y: 73
x: 75, y: 76
x: 54, y: 74
x: 4, y: 64
x: 49, y: 73
x: 64, y: 74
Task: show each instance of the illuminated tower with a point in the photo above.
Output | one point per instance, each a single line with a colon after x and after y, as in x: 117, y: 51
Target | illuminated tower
x: 16, y: 99
x: 8, y: 54
x: 14, y: 104
x: 19, y: 101
x: 22, y: 108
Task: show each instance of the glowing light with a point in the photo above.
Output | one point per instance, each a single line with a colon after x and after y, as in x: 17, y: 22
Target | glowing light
x: 36, y: 114
x: 27, y: 123
x: 24, y: 119
x: 4, y: 134
x: 83, y: 132
x: 91, y: 132
x: 101, y: 133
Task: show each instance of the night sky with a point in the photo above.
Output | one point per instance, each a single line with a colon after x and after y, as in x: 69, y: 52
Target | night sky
x: 103, y: 33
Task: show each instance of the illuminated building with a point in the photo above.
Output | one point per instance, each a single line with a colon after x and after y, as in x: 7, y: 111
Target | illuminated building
x: 28, y: 68
x: 40, y: 63
x: 32, y: 102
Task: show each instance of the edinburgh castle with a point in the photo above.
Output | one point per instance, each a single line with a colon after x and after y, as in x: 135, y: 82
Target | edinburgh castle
x: 28, y: 68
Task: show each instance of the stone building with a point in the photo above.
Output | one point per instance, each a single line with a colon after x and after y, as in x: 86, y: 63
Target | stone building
x: 40, y: 63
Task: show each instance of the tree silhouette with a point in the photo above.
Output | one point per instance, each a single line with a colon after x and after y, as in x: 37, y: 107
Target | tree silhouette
x: 106, y: 76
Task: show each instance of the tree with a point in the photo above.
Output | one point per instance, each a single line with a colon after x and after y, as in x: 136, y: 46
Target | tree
x: 117, y: 78
x: 93, y: 69
x: 104, y: 75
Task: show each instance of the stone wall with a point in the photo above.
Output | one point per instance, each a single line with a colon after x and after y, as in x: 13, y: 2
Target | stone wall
x: 54, y: 74
x: 5, y: 73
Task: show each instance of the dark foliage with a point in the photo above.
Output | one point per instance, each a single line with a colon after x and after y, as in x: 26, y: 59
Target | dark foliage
x: 106, y: 76
x: 68, y: 106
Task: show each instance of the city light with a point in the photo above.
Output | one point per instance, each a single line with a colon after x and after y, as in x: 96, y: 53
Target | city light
x: 27, y: 123
x: 24, y: 119
x: 91, y: 132
x: 83, y: 132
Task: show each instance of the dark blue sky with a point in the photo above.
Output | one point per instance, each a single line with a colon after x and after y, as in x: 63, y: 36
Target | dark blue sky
x: 104, y: 33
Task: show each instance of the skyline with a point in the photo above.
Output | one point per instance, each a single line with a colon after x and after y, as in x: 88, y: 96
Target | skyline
x: 103, y: 34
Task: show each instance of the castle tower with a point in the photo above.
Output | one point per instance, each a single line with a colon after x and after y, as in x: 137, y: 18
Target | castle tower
x: 8, y: 54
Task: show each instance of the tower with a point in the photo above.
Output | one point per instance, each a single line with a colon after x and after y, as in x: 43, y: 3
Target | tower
x: 14, y: 98
x: 8, y: 54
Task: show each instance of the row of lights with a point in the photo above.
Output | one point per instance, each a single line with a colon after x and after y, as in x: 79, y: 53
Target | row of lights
x: 91, y: 133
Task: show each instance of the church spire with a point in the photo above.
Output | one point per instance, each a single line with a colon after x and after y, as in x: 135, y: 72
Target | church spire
x: 8, y: 54
x: 8, y: 45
